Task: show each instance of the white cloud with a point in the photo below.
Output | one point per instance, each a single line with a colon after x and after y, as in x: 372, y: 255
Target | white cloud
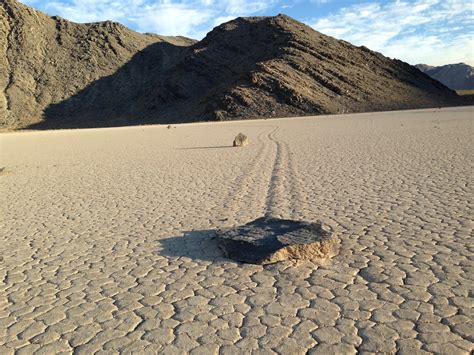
x: 321, y: 2
x: 235, y: 7
x: 221, y: 19
x: 192, y: 18
x: 170, y: 19
x: 431, y: 50
x: 417, y: 31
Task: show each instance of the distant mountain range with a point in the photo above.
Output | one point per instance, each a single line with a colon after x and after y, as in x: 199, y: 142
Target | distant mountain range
x: 60, y: 74
x: 455, y: 76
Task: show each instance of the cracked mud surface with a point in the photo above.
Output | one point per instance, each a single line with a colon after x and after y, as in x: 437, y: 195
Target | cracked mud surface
x: 106, y: 237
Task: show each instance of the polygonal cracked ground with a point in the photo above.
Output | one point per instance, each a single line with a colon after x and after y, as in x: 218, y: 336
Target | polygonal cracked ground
x: 268, y: 240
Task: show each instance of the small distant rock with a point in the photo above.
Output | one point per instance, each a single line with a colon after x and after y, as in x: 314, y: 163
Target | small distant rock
x: 169, y: 127
x: 269, y: 240
x: 4, y: 171
x: 241, y: 140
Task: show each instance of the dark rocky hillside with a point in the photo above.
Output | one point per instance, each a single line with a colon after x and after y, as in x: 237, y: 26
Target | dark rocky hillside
x: 46, y: 60
x: 61, y: 74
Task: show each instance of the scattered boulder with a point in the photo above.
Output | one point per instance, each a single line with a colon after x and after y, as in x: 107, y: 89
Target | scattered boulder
x: 269, y: 240
x: 241, y: 140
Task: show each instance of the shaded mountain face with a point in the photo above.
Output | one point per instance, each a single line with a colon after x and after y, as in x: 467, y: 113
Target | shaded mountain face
x: 455, y: 76
x: 61, y: 74
x: 46, y: 60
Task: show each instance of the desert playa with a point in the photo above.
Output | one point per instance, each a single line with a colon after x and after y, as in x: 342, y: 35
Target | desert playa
x: 106, y: 237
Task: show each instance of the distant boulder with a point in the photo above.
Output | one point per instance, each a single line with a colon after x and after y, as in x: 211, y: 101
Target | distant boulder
x: 241, y: 140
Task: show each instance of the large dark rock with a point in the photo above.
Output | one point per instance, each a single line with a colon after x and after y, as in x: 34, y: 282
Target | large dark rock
x: 268, y: 240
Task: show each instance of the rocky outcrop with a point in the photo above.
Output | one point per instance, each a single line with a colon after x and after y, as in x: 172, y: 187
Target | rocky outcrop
x: 269, y: 240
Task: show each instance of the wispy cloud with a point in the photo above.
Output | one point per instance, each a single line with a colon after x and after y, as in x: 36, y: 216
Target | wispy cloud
x: 319, y: 2
x: 192, y: 18
x: 431, y: 31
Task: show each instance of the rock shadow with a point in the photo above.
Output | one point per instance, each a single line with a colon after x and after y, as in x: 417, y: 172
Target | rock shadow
x: 196, y: 245
x: 210, y: 147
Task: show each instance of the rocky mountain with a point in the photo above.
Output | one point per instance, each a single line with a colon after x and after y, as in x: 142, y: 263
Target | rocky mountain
x: 46, y: 60
x: 455, y: 76
x: 61, y: 74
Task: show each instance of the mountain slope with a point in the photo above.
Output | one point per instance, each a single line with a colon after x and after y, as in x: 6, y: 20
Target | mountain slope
x: 455, y: 76
x: 46, y: 59
x: 276, y: 66
x: 105, y: 74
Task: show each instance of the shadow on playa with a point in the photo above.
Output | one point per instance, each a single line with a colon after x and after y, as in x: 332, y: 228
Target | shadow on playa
x: 196, y: 245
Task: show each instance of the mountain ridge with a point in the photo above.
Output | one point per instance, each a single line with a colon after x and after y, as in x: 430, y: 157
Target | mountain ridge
x: 459, y: 76
x: 104, y: 74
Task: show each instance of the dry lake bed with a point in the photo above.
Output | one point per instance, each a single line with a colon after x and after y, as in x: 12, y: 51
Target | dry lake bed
x: 106, y: 237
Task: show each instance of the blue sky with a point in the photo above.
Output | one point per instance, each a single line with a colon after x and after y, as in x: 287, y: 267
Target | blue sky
x: 417, y: 31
